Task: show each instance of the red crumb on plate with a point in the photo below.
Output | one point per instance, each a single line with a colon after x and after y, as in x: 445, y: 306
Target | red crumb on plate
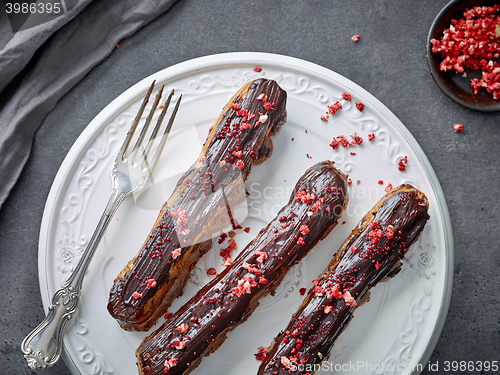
x: 211, y: 271
x: 332, y: 109
x: 334, y: 144
x: 346, y: 96
x: 402, y: 163
x: 261, y: 354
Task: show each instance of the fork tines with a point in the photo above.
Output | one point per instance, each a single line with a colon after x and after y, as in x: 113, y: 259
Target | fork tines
x: 145, y: 155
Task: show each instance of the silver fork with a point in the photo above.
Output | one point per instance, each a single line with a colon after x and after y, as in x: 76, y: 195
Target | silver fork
x: 131, y: 172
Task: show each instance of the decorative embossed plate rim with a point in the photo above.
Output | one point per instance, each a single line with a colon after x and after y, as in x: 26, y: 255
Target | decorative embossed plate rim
x: 393, y: 333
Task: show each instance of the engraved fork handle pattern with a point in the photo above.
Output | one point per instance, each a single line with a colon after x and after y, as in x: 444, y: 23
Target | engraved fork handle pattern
x: 42, y: 347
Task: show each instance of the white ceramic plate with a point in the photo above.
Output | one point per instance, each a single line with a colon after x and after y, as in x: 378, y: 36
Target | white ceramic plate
x: 393, y: 333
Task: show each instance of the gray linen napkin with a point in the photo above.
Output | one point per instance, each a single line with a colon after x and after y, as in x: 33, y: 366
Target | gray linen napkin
x: 39, y: 65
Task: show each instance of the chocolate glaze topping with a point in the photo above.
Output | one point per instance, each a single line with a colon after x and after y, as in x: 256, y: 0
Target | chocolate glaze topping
x: 201, y: 325
x: 200, y: 204
x: 369, y: 255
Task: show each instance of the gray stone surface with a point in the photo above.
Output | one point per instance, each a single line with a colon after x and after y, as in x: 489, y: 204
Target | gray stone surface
x: 389, y: 61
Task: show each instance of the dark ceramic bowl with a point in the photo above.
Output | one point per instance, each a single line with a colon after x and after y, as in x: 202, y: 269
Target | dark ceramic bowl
x: 451, y: 83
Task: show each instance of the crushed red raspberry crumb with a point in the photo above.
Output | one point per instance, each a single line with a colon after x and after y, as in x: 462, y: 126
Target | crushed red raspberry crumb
x: 360, y: 106
x: 287, y: 363
x: 136, y: 295
x: 261, y: 354
x: 332, y: 109
x: 169, y: 363
x: 257, y: 69
x: 150, y: 283
x: 458, y: 128
x: 355, y: 38
x: 346, y: 96
x: 240, y: 164
x: 183, y: 328
x: 303, y: 197
x: 357, y: 138
x: 304, y: 229
x: 348, y: 299
x: 262, y: 97
x: 402, y: 163
x: 334, y: 144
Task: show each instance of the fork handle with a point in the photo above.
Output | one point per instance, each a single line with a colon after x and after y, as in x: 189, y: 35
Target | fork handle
x: 42, y: 347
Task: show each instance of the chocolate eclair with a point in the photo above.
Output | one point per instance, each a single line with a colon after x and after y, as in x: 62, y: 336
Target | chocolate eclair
x: 200, y: 205
x: 199, y: 327
x: 371, y: 253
